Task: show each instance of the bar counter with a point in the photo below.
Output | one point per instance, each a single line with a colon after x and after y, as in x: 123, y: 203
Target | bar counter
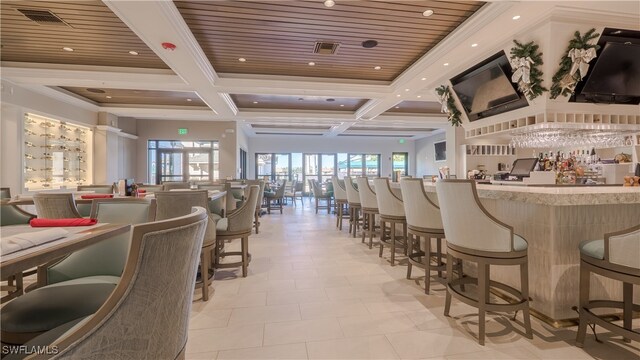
x: 554, y: 220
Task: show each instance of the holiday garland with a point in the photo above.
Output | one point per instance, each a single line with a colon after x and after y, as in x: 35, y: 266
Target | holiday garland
x: 574, y: 64
x: 525, y: 60
x: 449, y: 105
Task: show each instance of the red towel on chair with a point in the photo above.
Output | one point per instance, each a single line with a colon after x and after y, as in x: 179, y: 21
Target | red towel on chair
x: 62, y: 222
x: 96, y: 196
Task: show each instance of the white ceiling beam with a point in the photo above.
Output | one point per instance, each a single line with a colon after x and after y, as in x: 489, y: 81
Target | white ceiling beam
x: 158, y: 22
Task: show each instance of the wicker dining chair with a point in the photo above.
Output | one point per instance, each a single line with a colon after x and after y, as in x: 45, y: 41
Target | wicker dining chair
x: 55, y: 205
x: 276, y: 198
x: 320, y: 195
x: 85, y: 209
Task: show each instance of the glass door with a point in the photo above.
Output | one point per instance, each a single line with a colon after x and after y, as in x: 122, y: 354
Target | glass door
x: 400, y: 164
x: 355, y: 165
x: 170, y: 166
x: 311, y: 169
x: 282, y: 165
x: 198, y: 165
x: 328, y: 166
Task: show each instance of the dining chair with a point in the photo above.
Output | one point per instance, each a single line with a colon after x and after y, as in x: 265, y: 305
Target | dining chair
x: 55, y: 205
x: 616, y: 257
x: 85, y: 209
x: 424, y: 222
x: 320, y: 195
x: 5, y: 193
x: 237, y: 225
x: 474, y: 235
x: 353, y: 199
x: 341, y: 203
x: 78, y: 284
x: 172, y: 204
x: 150, y: 188
x: 391, y: 210
x: 215, y: 206
x: 369, y: 204
x: 261, y: 184
x: 175, y: 185
x: 276, y: 197
x: 290, y: 192
x: 147, y: 314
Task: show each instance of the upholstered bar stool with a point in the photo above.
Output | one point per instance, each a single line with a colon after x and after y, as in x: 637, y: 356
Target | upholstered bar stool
x: 55, y: 206
x: 475, y: 235
x: 261, y: 184
x: 353, y: 199
x: 172, y: 204
x: 341, y: 203
x: 237, y: 225
x: 616, y: 257
x: 391, y: 211
x: 423, y: 222
x: 369, y: 209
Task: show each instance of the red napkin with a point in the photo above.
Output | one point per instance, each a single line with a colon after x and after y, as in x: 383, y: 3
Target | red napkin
x: 96, y: 196
x: 62, y: 222
x: 141, y: 191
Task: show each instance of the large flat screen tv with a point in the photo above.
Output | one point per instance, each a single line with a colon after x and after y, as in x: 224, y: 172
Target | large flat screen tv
x: 614, y: 76
x: 486, y: 89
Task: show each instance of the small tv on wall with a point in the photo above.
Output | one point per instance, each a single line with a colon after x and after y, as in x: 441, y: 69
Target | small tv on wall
x: 440, y: 150
x: 486, y: 89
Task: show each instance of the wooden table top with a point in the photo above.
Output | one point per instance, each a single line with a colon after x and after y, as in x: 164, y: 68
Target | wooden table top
x: 81, y: 237
x: 27, y: 200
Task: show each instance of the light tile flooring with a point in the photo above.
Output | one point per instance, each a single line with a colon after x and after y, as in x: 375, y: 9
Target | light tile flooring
x: 314, y: 292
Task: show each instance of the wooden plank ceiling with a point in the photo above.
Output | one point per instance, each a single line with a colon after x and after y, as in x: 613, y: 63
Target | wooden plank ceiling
x: 417, y: 107
x: 277, y: 37
x: 140, y: 97
x: 285, y: 102
x: 96, y: 35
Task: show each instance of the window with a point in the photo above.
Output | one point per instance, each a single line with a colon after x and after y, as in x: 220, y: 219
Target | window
x: 173, y: 160
x: 243, y: 164
x: 400, y: 164
x: 263, y: 166
x: 355, y: 165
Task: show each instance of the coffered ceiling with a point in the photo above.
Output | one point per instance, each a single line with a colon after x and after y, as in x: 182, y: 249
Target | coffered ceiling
x: 276, y: 39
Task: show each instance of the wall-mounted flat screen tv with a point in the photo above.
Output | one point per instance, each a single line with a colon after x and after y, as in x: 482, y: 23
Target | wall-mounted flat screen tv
x: 614, y: 75
x: 486, y: 89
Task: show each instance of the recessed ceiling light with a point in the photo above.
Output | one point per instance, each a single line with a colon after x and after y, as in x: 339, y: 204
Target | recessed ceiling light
x: 419, y: 96
x: 474, y: 45
x: 242, y: 59
x: 133, y: 52
x: 377, y: 67
x: 397, y: 107
x: 311, y: 63
x: 423, y: 79
x: 341, y: 105
x: 331, y: 100
x: 407, y: 89
x: 398, y: 95
x: 255, y: 102
x: 329, y: 3
x: 66, y: 48
x: 516, y: 17
x: 445, y: 64
x: 189, y: 100
x: 427, y: 12
x: 300, y: 99
x: 108, y: 97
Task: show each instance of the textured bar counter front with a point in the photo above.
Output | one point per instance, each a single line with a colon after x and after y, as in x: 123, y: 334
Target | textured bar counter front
x: 554, y: 220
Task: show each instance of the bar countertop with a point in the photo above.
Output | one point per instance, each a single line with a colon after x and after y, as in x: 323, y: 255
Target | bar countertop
x: 558, y: 196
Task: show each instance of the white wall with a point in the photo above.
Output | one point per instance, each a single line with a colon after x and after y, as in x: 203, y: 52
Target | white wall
x: 242, y: 141
x: 197, y: 130
x: 320, y: 144
x: 425, y: 153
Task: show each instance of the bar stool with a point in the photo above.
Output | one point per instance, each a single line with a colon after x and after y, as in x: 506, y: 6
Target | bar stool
x: 423, y: 221
x: 391, y: 211
x: 615, y: 257
x: 340, y: 201
x: 475, y: 235
x: 353, y: 198
x: 369, y: 208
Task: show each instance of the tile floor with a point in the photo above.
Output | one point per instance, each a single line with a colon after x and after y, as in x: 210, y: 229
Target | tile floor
x: 314, y: 292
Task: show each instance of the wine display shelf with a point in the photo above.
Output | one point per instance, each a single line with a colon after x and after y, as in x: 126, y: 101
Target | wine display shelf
x: 490, y: 150
x: 555, y: 119
x: 56, y: 154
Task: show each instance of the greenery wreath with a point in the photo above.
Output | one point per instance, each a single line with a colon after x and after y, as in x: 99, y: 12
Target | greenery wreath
x: 525, y: 61
x: 574, y: 64
x: 449, y: 105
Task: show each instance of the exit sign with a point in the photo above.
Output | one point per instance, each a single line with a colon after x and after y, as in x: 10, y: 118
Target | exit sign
x: 183, y: 131
x: 401, y: 141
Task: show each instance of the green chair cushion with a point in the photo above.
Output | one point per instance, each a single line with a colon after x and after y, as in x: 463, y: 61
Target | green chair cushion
x: 10, y: 215
x: 51, y: 306
x: 222, y: 224
x: 84, y: 209
x: 592, y: 248
x: 97, y: 279
x: 519, y: 244
x: 45, y: 339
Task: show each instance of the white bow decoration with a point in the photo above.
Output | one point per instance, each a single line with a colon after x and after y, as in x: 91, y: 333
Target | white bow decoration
x: 522, y: 69
x: 580, y: 59
x: 443, y: 99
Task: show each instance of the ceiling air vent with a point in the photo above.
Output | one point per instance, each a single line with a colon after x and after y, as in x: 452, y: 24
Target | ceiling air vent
x: 325, y: 48
x: 42, y: 17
